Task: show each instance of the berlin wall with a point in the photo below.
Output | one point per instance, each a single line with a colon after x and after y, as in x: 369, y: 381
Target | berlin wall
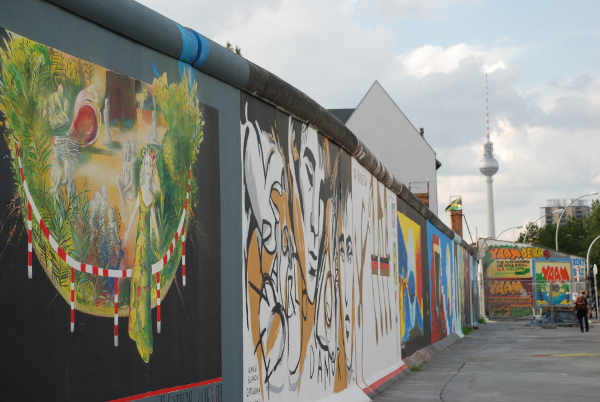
x: 178, y: 224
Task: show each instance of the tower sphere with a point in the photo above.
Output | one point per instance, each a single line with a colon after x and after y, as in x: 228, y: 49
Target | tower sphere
x: 488, y: 166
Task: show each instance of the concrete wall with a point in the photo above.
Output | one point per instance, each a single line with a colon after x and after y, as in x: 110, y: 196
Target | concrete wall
x: 167, y: 230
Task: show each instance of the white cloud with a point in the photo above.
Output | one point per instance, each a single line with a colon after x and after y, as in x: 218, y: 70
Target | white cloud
x: 545, y: 137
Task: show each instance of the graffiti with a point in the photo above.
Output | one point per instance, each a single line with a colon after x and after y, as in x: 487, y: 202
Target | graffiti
x: 299, y: 255
x: 410, y: 279
x: 506, y: 288
x: 108, y: 208
x: 552, y: 282
x: 508, y: 269
x: 555, y: 273
x: 515, y: 252
x: 509, y: 298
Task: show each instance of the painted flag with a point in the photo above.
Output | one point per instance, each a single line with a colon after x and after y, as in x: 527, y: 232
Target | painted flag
x: 455, y: 205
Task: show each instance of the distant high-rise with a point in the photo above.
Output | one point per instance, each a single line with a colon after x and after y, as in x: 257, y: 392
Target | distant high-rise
x: 578, y: 210
x: 489, y: 167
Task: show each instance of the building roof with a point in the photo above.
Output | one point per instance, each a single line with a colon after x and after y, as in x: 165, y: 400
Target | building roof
x: 342, y: 114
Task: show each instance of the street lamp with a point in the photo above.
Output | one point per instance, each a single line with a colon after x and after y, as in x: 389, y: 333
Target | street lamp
x: 506, y: 230
x: 563, y: 212
x: 543, y: 216
x: 587, y: 260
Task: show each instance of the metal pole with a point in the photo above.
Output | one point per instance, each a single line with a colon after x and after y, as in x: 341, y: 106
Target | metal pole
x: 551, y: 301
x: 587, y: 261
x: 596, y: 286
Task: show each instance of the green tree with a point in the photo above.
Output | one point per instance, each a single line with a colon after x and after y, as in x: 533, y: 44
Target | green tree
x: 532, y: 231
x: 235, y: 49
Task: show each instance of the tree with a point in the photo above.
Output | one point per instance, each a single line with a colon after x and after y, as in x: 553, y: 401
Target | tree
x: 235, y: 50
x: 532, y: 231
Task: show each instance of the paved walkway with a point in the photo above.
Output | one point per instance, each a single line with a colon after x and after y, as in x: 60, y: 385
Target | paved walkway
x: 509, y: 361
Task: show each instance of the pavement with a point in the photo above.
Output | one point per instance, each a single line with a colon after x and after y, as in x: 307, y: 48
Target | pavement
x: 509, y: 361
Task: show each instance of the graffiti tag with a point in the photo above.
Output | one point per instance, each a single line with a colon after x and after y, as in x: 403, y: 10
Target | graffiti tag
x: 515, y: 253
x: 552, y: 273
x: 506, y: 288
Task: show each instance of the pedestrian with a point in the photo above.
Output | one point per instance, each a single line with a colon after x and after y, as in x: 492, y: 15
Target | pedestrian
x: 581, y: 306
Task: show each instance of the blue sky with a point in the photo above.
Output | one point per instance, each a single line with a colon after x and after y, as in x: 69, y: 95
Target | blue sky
x: 431, y: 56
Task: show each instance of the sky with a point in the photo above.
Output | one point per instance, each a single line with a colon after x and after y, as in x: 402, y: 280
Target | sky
x: 542, y: 60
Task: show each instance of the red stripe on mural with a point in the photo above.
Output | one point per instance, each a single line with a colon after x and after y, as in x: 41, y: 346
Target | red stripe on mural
x: 28, y: 211
x: 105, y: 272
x: 22, y: 174
x: 82, y: 267
x: 95, y: 270
x: 165, y: 260
x: 373, y: 387
x: 44, y: 229
x: 167, y: 390
x: 62, y: 254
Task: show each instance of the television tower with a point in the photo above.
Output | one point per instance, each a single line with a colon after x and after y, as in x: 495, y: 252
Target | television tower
x: 489, y: 167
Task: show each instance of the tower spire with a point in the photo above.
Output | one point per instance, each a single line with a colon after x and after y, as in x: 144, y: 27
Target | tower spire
x: 489, y: 167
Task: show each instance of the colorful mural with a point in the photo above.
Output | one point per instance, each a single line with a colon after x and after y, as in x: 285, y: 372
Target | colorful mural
x: 106, y: 175
x: 110, y: 229
x: 519, y: 278
x: 298, y: 257
x: 441, y: 283
x: 552, y: 282
x: 410, y: 279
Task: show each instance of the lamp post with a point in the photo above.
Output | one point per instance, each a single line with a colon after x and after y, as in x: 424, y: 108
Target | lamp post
x: 543, y: 216
x: 587, y: 261
x: 506, y: 230
x: 563, y: 212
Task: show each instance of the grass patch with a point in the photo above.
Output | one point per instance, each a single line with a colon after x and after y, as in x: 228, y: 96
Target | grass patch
x: 467, y: 330
x: 481, y: 320
x: 416, y: 368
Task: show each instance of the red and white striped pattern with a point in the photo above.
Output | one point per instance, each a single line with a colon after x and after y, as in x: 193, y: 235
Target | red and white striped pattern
x: 75, y: 265
x: 116, y: 319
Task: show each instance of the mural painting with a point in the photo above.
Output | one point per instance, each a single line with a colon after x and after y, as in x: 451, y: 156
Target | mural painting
x: 410, y: 282
x: 375, y: 237
x: 299, y: 252
x: 509, y: 297
x: 508, y: 284
x: 105, y: 173
x: 441, y: 282
x: 552, y: 282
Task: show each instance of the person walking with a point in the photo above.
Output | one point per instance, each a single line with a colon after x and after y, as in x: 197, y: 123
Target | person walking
x: 581, y: 306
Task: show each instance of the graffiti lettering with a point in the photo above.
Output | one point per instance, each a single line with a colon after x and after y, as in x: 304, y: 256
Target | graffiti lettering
x: 514, y: 253
x: 360, y: 177
x: 182, y: 397
x: 506, y: 288
x: 555, y: 273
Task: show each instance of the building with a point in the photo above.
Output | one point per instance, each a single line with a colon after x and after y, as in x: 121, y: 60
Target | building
x: 380, y: 124
x: 579, y: 209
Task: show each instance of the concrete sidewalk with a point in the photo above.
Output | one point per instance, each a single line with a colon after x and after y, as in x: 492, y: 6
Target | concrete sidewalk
x: 509, y: 361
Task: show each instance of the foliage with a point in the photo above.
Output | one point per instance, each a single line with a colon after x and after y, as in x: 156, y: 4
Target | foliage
x: 574, y: 237
x: 467, y: 329
x: 235, y: 49
x: 481, y: 320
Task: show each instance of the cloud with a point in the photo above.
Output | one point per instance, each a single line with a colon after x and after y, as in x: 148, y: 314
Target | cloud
x: 545, y: 136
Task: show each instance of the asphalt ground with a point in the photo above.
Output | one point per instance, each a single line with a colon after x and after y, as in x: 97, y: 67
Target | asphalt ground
x: 509, y: 361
